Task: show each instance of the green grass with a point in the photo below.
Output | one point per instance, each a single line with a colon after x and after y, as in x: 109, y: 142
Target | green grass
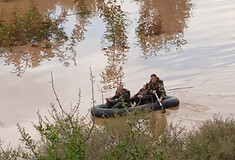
x: 214, y: 140
x: 139, y: 136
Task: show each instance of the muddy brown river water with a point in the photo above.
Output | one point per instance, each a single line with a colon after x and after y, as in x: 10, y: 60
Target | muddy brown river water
x: 193, y: 52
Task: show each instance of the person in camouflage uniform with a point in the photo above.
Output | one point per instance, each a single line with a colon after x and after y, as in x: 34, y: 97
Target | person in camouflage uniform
x: 121, y: 98
x: 156, y: 86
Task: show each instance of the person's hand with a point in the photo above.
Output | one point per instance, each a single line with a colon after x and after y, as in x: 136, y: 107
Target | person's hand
x: 159, y: 100
x: 140, y: 96
x: 154, y: 91
x: 108, y: 100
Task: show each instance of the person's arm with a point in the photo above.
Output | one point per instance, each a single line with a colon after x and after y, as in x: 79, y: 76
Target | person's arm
x: 126, y: 97
x: 146, y: 95
x: 162, y: 91
x: 139, y: 92
x: 116, y: 96
x: 112, y: 98
x: 150, y: 88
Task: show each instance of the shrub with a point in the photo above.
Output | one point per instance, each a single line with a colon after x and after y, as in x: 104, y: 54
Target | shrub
x: 61, y: 138
x: 215, y: 140
x: 128, y: 137
x: 135, y: 136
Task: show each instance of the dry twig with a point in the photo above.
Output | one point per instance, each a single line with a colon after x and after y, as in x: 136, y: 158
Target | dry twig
x: 56, y: 96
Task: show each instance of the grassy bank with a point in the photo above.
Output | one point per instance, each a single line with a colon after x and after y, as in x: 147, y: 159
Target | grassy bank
x: 66, y: 135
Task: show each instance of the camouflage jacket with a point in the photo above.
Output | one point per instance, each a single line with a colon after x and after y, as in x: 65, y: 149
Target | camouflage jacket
x: 123, y: 96
x: 159, y: 87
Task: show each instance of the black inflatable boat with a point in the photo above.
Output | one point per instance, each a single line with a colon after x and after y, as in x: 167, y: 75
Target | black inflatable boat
x: 102, y: 111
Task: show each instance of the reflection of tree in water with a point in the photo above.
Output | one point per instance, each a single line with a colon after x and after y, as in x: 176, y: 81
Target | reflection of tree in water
x: 23, y: 57
x: 161, y: 25
x: 83, y: 13
x: 83, y: 9
x: 113, y: 73
x: 116, y: 41
x: 23, y: 60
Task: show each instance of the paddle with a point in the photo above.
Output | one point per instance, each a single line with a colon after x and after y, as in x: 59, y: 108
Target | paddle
x: 163, y: 109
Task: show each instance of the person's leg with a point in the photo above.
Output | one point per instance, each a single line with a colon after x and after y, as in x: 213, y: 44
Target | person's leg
x: 133, y: 104
x: 118, y: 105
x: 144, y: 101
x: 137, y: 101
x: 132, y: 100
x: 154, y: 98
x: 110, y: 104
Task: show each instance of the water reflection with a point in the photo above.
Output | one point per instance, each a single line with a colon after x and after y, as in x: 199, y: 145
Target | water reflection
x: 85, y: 10
x: 161, y: 25
x: 23, y: 60
x: 31, y: 56
x: 113, y: 73
x: 114, y: 42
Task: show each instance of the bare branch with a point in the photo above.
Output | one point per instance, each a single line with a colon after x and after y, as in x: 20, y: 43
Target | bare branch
x: 75, y: 109
x: 92, y: 79
x: 56, y: 96
x: 89, y: 133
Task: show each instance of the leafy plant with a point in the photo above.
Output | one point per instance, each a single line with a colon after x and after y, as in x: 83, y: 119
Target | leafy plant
x: 213, y: 140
